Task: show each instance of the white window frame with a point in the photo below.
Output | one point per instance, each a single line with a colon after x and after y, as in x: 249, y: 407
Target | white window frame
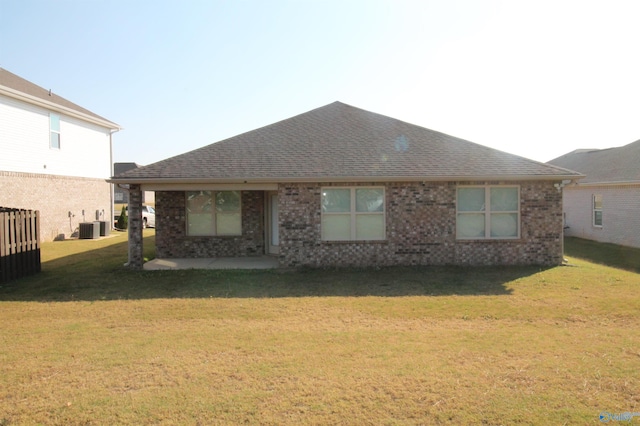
x: 214, y: 213
x: 353, y: 213
x: 487, y: 212
x: 594, y: 210
x: 54, y: 132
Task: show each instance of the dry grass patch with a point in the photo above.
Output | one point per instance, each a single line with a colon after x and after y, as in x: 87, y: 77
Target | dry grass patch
x: 394, y: 346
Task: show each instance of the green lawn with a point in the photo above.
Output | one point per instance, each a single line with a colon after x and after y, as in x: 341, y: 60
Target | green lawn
x: 88, y: 342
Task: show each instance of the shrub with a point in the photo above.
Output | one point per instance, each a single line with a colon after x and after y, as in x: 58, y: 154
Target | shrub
x: 123, y: 221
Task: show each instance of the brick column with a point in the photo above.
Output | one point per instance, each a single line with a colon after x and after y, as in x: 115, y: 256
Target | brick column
x: 136, y: 258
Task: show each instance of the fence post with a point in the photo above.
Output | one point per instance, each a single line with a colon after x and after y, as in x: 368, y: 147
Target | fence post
x: 19, y: 243
x: 4, y: 267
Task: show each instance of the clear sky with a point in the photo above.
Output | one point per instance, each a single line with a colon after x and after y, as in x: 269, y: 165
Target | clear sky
x: 535, y: 78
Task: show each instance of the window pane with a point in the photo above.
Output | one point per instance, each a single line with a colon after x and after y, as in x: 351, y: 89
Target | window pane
x: 199, y: 224
x: 228, y: 201
x: 597, y: 218
x: 55, y: 140
x: 228, y: 224
x: 199, y: 201
x: 470, y: 226
x: 336, y: 227
x: 597, y: 202
x: 504, y: 225
x: 370, y: 227
x: 336, y: 200
x: 470, y: 199
x: 504, y: 199
x: 369, y: 200
x: 54, y: 122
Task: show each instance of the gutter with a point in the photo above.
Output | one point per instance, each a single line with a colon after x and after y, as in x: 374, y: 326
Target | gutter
x: 297, y: 179
x: 615, y: 183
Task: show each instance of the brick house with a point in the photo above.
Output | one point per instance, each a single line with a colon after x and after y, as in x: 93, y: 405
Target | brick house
x: 340, y: 186
x: 605, y: 205
x: 55, y: 157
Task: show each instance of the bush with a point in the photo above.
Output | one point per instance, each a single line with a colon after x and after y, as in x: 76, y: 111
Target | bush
x: 123, y: 221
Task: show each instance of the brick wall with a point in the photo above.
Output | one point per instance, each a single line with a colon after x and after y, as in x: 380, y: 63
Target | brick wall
x: 620, y: 213
x: 55, y: 197
x: 173, y: 242
x: 420, y: 229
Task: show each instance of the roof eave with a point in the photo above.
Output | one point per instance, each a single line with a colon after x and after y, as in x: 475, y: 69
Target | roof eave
x: 610, y: 183
x: 21, y: 96
x: 324, y: 179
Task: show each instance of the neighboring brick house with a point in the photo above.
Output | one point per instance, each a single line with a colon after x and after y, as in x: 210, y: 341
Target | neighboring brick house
x: 340, y: 186
x: 55, y: 157
x: 605, y: 205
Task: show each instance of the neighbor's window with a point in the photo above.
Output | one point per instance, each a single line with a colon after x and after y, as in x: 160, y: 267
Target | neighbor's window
x: 54, y: 131
x: 488, y: 212
x: 597, y: 210
x: 353, y: 214
x: 214, y: 213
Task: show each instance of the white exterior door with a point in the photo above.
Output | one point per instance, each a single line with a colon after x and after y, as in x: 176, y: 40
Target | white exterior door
x: 272, y: 225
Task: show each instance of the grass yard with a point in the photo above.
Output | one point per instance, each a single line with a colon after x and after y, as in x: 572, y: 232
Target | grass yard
x: 88, y: 342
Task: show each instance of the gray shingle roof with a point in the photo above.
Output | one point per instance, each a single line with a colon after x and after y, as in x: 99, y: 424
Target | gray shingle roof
x: 339, y: 141
x: 620, y: 164
x: 17, y: 83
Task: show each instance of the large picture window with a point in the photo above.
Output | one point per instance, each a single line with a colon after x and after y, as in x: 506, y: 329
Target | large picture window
x: 597, y: 210
x: 353, y: 214
x: 488, y: 212
x: 214, y: 213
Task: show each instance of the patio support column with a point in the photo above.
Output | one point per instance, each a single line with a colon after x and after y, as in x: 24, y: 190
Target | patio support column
x: 136, y: 259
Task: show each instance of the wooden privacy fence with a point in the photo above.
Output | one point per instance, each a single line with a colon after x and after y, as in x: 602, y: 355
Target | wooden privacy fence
x: 19, y: 243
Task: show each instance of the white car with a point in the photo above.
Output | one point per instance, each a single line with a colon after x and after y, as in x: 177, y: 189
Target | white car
x: 148, y: 216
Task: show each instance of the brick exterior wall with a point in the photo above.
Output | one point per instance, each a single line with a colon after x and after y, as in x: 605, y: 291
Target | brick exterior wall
x: 620, y: 213
x: 172, y: 240
x: 420, y: 229
x: 56, y: 196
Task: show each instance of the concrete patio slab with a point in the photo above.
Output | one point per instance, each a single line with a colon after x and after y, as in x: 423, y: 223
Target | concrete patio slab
x: 262, y: 262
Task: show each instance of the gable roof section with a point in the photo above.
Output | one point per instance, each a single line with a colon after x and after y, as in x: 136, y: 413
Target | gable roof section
x: 119, y: 168
x: 17, y: 87
x: 339, y: 142
x: 613, y: 165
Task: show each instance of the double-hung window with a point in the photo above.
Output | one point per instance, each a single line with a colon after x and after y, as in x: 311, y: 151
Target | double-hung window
x: 54, y: 131
x: 353, y: 214
x: 214, y: 213
x: 488, y: 212
x: 597, y: 210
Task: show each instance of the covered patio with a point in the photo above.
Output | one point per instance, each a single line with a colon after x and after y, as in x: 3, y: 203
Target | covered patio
x: 246, y: 262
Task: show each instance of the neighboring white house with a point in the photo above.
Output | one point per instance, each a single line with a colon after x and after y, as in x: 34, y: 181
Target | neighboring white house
x: 605, y: 205
x: 55, y: 157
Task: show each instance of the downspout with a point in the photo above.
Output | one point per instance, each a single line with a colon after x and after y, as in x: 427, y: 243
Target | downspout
x: 111, y: 171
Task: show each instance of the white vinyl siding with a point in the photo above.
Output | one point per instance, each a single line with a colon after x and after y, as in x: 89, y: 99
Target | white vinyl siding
x: 25, y: 132
x: 622, y: 203
x: 353, y: 214
x: 488, y: 212
x: 212, y: 213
